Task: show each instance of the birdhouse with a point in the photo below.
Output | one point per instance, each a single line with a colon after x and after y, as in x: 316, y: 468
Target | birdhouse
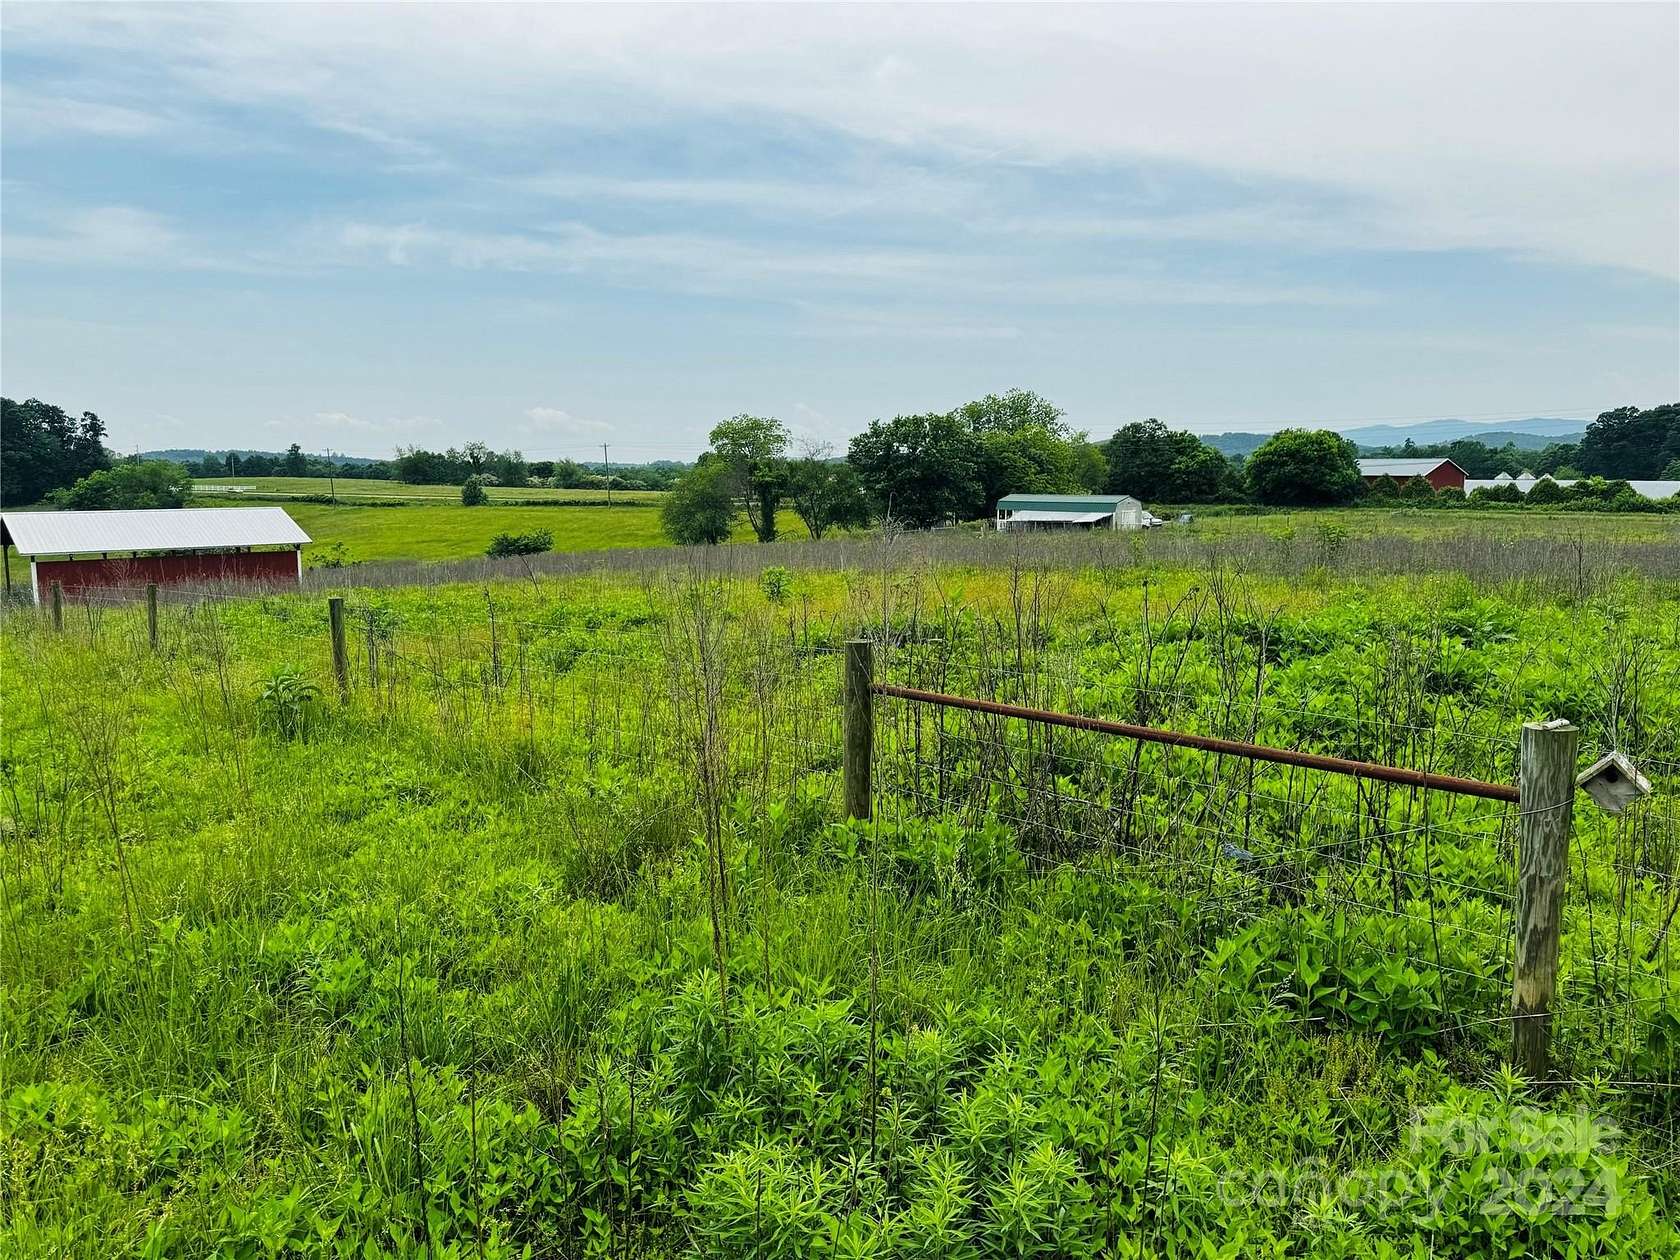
x: 1613, y: 782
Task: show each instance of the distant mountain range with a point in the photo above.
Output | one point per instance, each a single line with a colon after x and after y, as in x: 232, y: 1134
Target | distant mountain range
x: 1532, y: 434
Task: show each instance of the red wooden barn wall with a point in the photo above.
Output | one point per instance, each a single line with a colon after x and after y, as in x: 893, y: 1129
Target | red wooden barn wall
x: 1439, y: 478
x: 271, y: 568
x: 1446, y: 475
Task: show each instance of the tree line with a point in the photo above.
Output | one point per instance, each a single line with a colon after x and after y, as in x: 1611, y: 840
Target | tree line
x: 917, y: 471
x: 928, y: 469
x: 1627, y: 444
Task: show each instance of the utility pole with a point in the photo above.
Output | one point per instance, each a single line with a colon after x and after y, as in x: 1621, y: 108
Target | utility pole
x: 607, y: 469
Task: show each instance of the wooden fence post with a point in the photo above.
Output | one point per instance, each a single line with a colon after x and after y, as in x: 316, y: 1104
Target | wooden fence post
x: 860, y: 726
x: 151, y: 614
x: 58, y: 605
x: 373, y: 654
x: 341, y: 658
x: 1546, y: 785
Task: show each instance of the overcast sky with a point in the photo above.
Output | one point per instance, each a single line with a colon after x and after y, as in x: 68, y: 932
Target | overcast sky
x: 356, y: 227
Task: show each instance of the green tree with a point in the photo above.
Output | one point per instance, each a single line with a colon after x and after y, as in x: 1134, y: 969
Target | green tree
x: 1671, y: 470
x: 419, y: 467
x: 1628, y: 442
x: 1150, y: 461
x: 473, y: 493
x: 1416, y: 489
x: 1025, y: 460
x: 826, y: 494
x: 1304, y: 467
x: 922, y: 470
x: 1090, y: 465
x: 147, y: 483
x: 1199, y: 474
x: 42, y: 448
x: 1018, y: 409
x: 509, y: 468
x: 754, y: 449
x: 701, y: 507
x: 1385, y: 489
x: 294, y: 464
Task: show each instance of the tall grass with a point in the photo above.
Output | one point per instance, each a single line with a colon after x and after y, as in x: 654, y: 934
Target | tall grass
x: 550, y: 935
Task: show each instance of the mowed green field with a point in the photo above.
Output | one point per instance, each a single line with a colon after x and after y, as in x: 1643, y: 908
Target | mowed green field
x: 351, y: 490
x: 452, y: 532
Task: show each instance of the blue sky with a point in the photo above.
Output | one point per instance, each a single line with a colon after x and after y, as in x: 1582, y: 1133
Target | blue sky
x: 366, y: 226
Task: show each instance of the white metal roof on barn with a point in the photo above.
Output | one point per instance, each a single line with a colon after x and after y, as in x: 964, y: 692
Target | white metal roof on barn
x: 1656, y: 489
x: 1400, y: 467
x: 152, y: 529
x: 1649, y: 489
x: 1060, y: 518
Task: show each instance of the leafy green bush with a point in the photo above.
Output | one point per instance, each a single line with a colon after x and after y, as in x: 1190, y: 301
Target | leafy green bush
x: 530, y: 544
x: 289, y: 703
x: 776, y: 583
x: 333, y: 556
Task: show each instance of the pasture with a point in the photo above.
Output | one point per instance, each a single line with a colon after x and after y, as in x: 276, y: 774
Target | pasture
x: 543, y: 930
x: 352, y: 490
x: 447, y: 531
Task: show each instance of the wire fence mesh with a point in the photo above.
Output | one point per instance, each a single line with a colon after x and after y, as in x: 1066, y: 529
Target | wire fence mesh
x: 1402, y: 898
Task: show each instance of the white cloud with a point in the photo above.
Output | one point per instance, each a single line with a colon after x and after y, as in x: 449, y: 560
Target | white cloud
x: 104, y: 235
x: 30, y: 115
x: 553, y: 422
x: 717, y: 265
x: 1544, y: 130
x: 337, y: 423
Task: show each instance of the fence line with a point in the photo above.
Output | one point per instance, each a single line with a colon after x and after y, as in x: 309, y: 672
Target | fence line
x: 479, y: 671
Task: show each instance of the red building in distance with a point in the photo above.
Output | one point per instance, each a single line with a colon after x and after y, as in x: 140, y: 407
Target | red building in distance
x: 1439, y: 473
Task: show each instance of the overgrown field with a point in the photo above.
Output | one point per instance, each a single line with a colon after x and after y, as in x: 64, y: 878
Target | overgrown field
x: 548, y: 935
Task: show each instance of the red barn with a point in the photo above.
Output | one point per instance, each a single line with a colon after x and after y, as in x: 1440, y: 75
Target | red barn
x: 169, y: 546
x: 1439, y: 473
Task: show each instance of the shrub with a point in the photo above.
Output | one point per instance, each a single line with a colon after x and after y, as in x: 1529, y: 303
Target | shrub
x: 472, y: 492
x: 335, y: 556
x: 776, y: 583
x: 531, y: 544
x: 701, y: 506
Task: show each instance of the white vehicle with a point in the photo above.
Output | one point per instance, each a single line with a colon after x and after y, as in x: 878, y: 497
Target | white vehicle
x: 1151, y: 521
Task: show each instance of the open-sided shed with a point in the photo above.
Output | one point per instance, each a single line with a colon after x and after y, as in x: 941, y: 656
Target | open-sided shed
x: 1069, y: 511
x: 169, y: 546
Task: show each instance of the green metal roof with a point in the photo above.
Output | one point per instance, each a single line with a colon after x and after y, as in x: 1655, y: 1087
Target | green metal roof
x: 1066, y: 502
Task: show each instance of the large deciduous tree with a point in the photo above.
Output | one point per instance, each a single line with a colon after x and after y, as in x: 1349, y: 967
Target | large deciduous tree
x: 43, y: 448
x: 1018, y: 409
x: 1304, y: 468
x: 701, y: 507
x: 754, y: 450
x: 1030, y: 459
x: 1150, y: 461
x: 922, y: 470
x: 826, y: 494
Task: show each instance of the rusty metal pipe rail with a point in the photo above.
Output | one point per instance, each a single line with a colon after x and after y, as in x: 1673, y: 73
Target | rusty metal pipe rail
x: 1208, y: 743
